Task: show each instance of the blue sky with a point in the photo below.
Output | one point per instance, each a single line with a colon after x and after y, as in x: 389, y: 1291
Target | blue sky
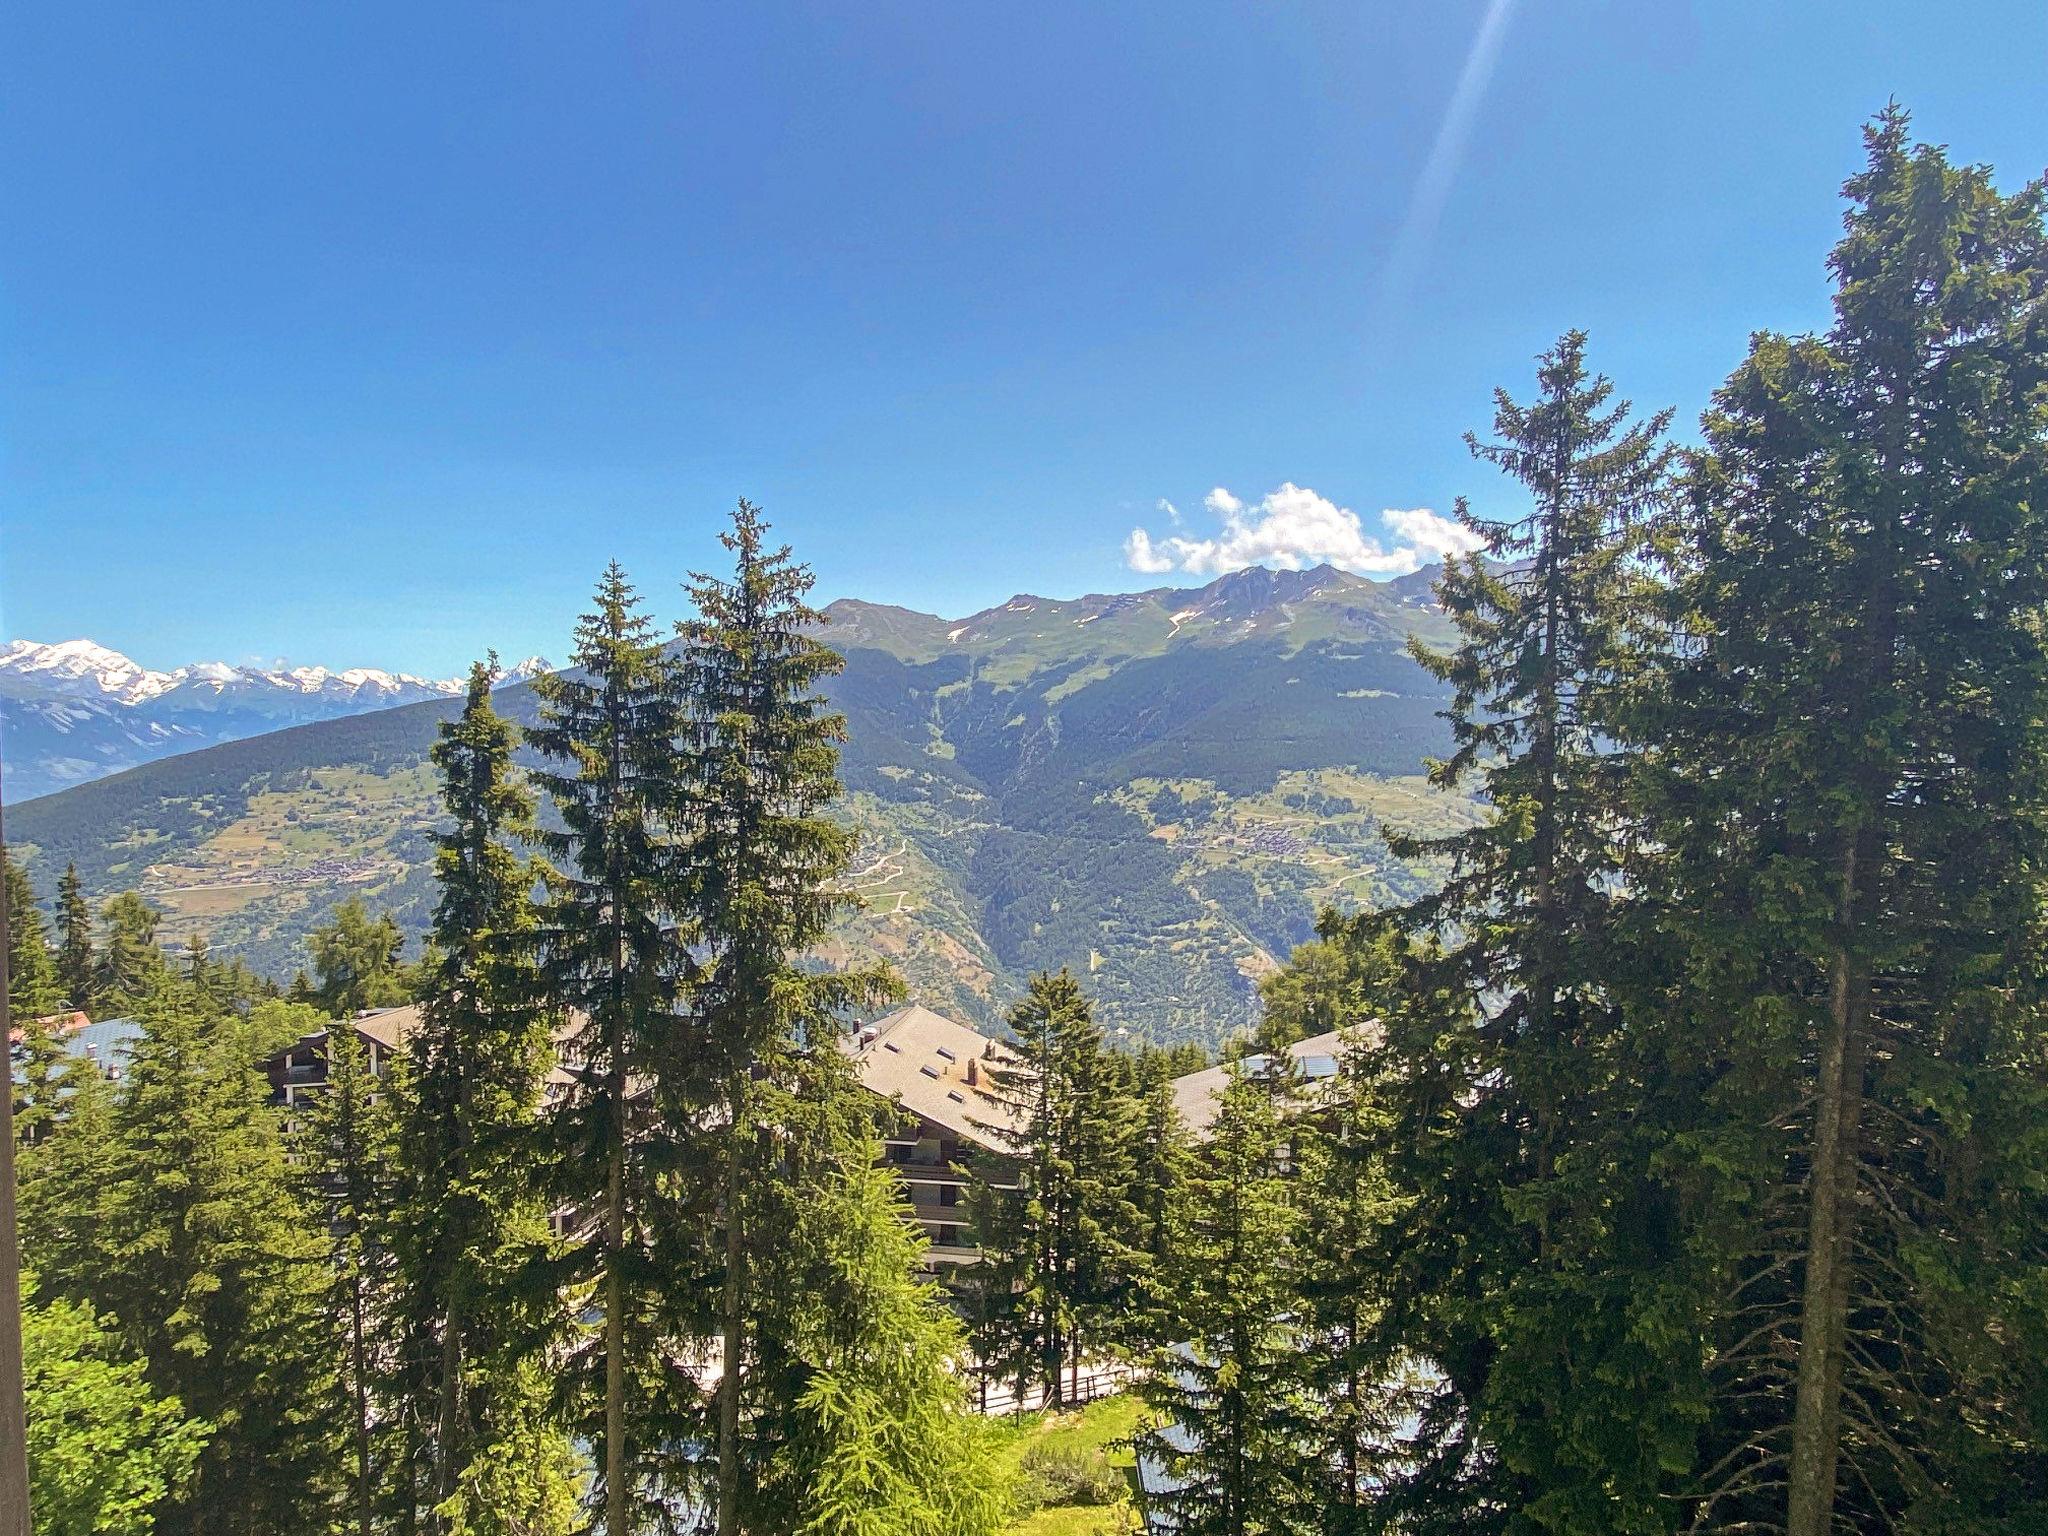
x: 365, y: 334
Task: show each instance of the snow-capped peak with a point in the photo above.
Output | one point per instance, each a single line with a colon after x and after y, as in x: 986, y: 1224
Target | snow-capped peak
x: 527, y: 670
x: 79, y: 667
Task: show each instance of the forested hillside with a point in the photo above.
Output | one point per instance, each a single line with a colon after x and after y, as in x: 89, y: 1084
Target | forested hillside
x: 1157, y: 788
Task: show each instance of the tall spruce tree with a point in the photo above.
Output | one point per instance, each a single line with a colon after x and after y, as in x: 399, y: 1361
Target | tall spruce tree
x: 212, y: 1261
x: 33, y: 995
x: 1060, y: 1230
x: 761, y: 881
x: 75, y: 964
x: 475, y: 1292
x: 356, y: 957
x: 611, y: 952
x: 130, y: 962
x: 1232, y: 1447
x: 1849, y: 775
x: 33, y: 991
x: 344, y: 1148
x: 1507, y: 1130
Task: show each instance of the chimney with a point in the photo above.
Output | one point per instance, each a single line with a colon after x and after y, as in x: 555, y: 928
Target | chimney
x: 973, y: 1071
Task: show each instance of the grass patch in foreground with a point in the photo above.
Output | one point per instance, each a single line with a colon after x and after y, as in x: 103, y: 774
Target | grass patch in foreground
x: 1071, y: 1471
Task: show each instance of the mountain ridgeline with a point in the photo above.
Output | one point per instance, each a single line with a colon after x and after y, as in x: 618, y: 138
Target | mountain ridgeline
x: 1157, y: 788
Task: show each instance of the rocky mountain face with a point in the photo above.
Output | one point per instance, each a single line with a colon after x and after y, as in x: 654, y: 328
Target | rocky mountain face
x: 1158, y: 789
x: 75, y: 711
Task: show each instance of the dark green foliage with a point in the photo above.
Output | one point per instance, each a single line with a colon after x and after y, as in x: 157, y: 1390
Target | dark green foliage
x: 131, y: 965
x: 75, y: 963
x: 1504, y: 1127
x: 1065, y: 1241
x: 610, y: 952
x: 1233, y: 1427
x: 33, y: 988
x: 355, y: 957
x: 212, y: 1263
x: 475, y: 1296
x: 1849, y: 777
x: 759, y: 877
x: 344, y: 1147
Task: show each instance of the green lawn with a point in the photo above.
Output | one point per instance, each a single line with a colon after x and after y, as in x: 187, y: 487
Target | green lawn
x: 1098, y: 1430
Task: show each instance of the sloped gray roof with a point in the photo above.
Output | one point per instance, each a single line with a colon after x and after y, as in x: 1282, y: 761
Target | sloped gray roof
x: 938, y: 1068
x: 1194, y: 1096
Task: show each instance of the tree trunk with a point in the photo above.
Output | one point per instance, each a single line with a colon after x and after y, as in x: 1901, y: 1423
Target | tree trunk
x: 1824, y: 1306
x: 731, y: 1334
x: 616, y: 1491
x: 359, y: 1369
x: 448, y: 1408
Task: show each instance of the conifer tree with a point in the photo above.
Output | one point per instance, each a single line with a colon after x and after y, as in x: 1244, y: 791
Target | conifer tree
x: 65, y: 1177
x: 1506, y: 1128
x: 32, y: 988
x: 473, y: 1226
x: 760, y: 881
x: 610, y: 951
x: 1849, y: 776
x: 1057, y: 1225
x: 130, y: 962
x: 33, y: 994
x: 75, y: 963
x: 880, y: 1442
x: 212, y: 1263
x: 1348, y: 1220
x: 356, y: 958
x: 1232, y: 1444
x: 345, y: 1150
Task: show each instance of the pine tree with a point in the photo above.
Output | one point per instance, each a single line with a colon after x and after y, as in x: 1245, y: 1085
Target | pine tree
x: 474, y: 1230
x: 65, y: 1180
x: 198, y: 973
x: 1850, y: 779
x: 76, y: 966
x: 212, y: 1263
x: 1057, y: 1223
x: 1348, y: 1221
x: 355, y: 957
x: 761, y: 872
x: 1232, y: 1444
x: 344, y: 1143
x: 1507, y: 1129
x: 32, y: 987
x: 130, y: 962
x: 610, y: 951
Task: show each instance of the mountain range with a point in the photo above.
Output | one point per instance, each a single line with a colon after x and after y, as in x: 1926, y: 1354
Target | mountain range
x: 75, y: 711
x: 1158, y: 789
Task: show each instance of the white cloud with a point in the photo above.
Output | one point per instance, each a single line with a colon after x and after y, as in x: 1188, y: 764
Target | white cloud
x: 1431, y: 532
x: 1139, y: 554
x: 1172, y: 512
x: 1294, y: 528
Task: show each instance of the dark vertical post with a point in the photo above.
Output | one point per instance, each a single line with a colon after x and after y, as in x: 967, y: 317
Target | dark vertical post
x: 13, y: 1408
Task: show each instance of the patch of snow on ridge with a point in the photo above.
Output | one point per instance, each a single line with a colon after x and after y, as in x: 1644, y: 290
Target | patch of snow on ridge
x: 83, y: 669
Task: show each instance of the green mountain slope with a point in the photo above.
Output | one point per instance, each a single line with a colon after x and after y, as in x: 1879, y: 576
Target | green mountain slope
x: 1158, y: 788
